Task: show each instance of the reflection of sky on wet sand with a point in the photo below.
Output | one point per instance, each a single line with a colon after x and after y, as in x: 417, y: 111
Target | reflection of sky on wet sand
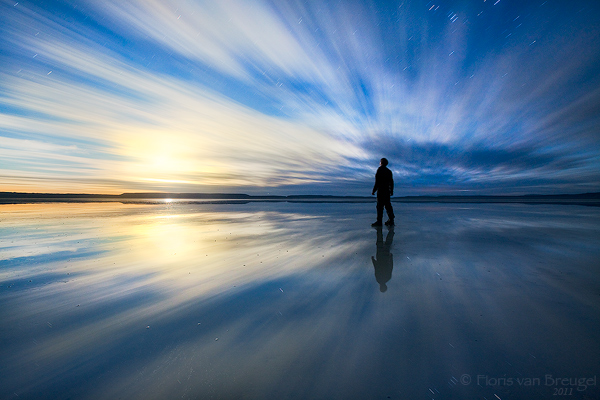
x: 281, y: 300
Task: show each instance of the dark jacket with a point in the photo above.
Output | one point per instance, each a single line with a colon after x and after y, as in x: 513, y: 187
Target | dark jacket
x: 384, y: 182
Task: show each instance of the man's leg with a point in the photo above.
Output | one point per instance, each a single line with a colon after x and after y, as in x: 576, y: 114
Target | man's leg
x: 390, y: 212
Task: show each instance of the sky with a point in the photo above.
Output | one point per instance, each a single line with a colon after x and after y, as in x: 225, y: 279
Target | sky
x: 300, y: 97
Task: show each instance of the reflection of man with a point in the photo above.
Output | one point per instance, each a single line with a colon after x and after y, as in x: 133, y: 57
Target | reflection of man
x: 384, y: 186
x: 385, y: 260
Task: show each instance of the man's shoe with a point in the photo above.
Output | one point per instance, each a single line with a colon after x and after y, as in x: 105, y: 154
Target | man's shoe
x: 389, y: 222
x: 377, y: 223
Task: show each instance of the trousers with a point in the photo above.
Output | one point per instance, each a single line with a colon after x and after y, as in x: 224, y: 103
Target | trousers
x: 384, y: 202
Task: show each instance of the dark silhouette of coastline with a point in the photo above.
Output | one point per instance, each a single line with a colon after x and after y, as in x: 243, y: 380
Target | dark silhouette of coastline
x: 587, y: 199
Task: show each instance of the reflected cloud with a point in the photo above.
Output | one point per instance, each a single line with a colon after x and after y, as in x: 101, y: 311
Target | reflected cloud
x: 174, y: 299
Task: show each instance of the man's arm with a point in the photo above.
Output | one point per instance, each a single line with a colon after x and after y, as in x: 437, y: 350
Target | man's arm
x: 374, y: 186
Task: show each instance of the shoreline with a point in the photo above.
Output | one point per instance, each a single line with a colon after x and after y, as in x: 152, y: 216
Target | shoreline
x: 166, y: 199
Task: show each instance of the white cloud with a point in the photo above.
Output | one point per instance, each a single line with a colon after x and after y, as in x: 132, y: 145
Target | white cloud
x: 139, y: 126
x: 324, y: 76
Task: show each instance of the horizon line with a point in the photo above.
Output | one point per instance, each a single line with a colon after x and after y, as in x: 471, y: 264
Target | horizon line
x: 220, y: 194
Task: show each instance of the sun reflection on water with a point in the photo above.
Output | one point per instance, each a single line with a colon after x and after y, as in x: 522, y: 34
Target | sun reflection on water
x: 173, y: 298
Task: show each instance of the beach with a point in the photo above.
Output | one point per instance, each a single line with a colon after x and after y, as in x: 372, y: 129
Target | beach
x: 262, y: 300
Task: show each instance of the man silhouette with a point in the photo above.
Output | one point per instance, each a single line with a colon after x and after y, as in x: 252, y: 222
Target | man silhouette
x: 384, y: 260
x: 384, y: 186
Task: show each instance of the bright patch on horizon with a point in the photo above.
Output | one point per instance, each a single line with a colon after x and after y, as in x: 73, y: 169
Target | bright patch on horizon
x: 168, y: 181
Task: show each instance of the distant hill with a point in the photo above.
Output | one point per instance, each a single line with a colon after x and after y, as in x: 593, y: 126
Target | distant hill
x: 592, y: 199
x: 183, y: 196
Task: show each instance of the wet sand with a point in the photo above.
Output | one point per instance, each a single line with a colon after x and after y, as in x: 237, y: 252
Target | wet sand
x: 284, y: 300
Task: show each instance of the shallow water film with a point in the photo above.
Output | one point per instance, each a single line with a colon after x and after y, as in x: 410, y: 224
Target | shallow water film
x: 304, y: 301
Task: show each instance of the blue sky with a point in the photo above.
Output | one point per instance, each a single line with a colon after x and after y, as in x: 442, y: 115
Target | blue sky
x: 286, y: 97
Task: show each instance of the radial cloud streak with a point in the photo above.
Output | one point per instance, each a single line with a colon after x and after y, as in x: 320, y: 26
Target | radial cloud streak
x: 299, y: 97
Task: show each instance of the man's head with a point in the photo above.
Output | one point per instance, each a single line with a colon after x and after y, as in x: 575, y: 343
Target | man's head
x: 383, y: 162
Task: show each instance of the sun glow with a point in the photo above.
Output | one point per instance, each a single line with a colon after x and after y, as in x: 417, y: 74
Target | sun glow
x: 237, y: 96
x: 187, y: 182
